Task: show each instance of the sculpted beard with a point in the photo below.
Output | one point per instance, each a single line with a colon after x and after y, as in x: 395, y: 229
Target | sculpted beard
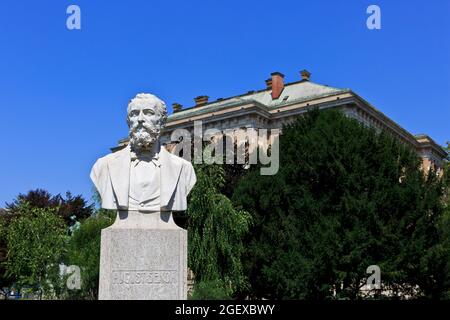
x: 143, y: 136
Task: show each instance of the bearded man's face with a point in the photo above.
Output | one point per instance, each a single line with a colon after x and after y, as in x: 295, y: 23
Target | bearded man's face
x: 145, y: 124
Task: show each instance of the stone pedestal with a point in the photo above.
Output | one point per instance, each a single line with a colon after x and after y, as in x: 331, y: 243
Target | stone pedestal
x: 143, y: 257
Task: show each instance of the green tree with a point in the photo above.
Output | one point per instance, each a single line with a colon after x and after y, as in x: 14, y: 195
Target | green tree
x: 445, y: 221
x: 36, y: 240
x: 70, y: 208
x: 83, y: 250
x: 211, y: 290
x: 215, y: 231
x: 345, y: 197
x: 5, y: 282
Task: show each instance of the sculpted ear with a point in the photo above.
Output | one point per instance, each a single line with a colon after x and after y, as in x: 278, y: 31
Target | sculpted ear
x: 128, y: 120
x: 128, y: 113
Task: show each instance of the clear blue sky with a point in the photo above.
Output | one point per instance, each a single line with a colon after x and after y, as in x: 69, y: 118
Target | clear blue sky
x: 63, y: 94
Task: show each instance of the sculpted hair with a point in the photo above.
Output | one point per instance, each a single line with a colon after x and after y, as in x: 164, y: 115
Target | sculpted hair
x: 160, y: 105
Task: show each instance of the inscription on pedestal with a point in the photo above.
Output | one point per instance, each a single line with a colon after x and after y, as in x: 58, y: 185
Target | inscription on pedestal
x: 144, y: 277
x: 162, y: 283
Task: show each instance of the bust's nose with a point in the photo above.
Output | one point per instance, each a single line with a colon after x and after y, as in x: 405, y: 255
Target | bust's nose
x: 141, y: 117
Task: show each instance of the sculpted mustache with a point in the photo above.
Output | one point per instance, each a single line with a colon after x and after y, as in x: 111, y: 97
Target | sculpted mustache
x: 145, y: 126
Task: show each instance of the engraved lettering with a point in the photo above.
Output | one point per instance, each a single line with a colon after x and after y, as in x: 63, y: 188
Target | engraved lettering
x: 144, y: 277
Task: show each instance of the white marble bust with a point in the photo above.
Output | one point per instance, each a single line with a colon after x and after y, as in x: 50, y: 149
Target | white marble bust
x: 144, y: 176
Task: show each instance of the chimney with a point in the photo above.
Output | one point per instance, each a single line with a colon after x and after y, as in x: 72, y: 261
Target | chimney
x: 201, y: 100
x: 176, y: 107
x: 269, y: 83
x: 277, y: 84
x: 306, y: 75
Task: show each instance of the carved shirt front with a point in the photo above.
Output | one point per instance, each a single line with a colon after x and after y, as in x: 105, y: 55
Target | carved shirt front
x: 145, y: 181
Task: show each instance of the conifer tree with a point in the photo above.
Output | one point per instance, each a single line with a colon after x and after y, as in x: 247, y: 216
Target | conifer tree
x: 346, y: 197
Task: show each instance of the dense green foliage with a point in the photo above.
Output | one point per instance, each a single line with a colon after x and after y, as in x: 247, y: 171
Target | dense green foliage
x: 345, y: 198
x: 36, y: 240
x: 215, y: 231
x: 83, y: 250
x: 70, y: 208
x: 5, y: 282
x: 211, y: 290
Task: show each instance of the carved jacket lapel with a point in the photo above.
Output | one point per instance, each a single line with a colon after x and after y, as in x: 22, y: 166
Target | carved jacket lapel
x: 170, y: 174
x: 119, y: 173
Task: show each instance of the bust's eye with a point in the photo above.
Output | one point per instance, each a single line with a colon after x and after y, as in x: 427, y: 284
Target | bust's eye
x: 134, y: 113
x: 149, y: 112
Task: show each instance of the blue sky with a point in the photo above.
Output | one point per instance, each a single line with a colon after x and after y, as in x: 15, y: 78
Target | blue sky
x: 63, y: 94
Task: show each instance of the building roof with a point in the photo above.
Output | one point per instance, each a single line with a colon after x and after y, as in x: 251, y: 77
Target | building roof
x: 427, y: 141
x: 293, y: 92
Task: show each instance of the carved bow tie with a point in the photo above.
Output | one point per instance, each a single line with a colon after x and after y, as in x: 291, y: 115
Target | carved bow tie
x: 144, y: 156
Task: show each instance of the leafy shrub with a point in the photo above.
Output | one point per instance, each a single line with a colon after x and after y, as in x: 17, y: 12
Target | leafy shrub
x: 83, y: 250
x: 211, y: 290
